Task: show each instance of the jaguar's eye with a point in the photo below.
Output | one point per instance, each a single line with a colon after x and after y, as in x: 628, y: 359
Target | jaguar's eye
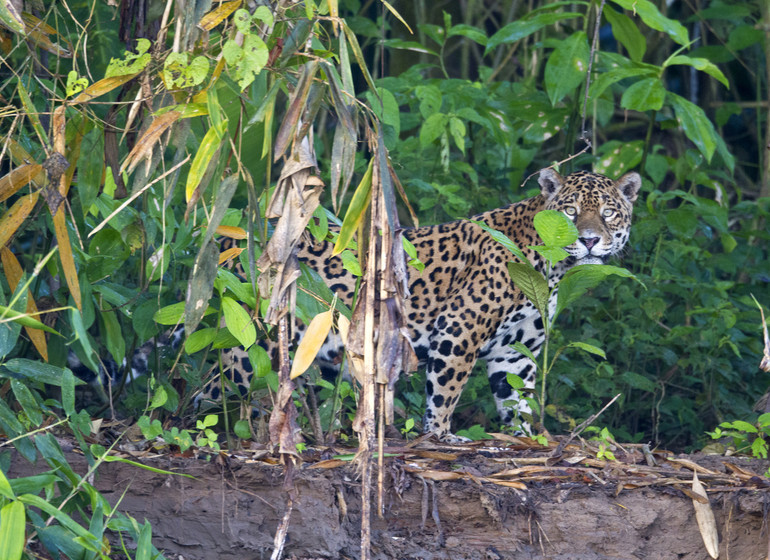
x: 570, y: 211
x: 608, y: 212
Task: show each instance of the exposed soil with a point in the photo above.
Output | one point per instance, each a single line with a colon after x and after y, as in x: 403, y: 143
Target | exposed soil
x: 483, y: 501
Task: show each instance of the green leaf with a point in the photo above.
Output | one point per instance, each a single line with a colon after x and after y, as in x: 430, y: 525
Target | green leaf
x: 514, y: 380
x: 5, y: 488
x: 503, y: 239
x: 638, y: 381
x: 645, y: 95
x: 27, y: 401
x: 582, y: 278
x: 702, y: 64
x: 198, y: 340
x: 260, y: 361
x: 469, y: 31
x: 695, y: 124
x: 555, y: 228
x: 350, y: 263
x: 12, y: 533
x: 606, y: 79
x: 356, y: 210
x: 238, y: 322
x: 531, y: 283
x: 552, y: 254
x: 654, y: 19
x: 24, y: 319
x: 433, y: 127
x: 626, y: 33
x: 525, y: 27
x: 567, y: 66
x: 38, y: 371
x: 524, y: 351
x: 744, y: 426
x: 10, y: 16
x: 457, y: 130
x: 201, y: 286
x: 590, y: 348
x: 159, y: 397
x: 241, y: 429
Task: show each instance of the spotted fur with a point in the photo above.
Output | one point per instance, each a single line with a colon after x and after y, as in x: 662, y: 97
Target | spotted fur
x: 463, y: 305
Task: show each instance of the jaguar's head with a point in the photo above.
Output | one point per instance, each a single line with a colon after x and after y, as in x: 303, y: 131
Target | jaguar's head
x: 598, y: 206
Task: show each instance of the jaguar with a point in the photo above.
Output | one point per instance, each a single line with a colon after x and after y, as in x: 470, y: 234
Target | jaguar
x: 463, y: 305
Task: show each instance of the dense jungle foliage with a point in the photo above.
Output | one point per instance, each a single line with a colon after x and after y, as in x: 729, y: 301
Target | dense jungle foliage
x: 131, y: 130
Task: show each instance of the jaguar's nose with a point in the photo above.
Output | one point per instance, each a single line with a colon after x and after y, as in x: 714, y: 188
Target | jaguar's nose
x: 589, y: 242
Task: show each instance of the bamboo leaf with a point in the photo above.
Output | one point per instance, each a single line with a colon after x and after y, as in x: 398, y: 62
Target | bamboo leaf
x: 311, y: 343
x: 145, y: 144
x: 15, y: 216
x: 218, y: 15
x: 10, y: 17
x: 13, y: 274
x: 208, y: 147
x: 101, y: 87
x: 12, y: 535
x: 67, y: 258
x: 356, y: 210
x: 31, y: 113
x: 590, y: 348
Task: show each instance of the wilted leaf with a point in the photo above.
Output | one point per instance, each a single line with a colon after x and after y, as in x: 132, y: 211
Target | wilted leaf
x: 15, y: 216
x: 201, y: 286
x: 13, y: 274
x: 311, y: 343
x: 218, y: 15
x: 233, y: 232
x: 101, y: 87
x: 145, y: 144
x: 704, y: 515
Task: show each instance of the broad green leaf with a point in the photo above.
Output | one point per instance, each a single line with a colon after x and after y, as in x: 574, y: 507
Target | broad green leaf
x: 645, y: 95
x: 590, y: 348
x: 514, y: 380
x: 60, y: 516
x: 385, y: 108
x: 503, y: 239
x: 68, y: 382
x: 555, y: 229
x: 527, y: 26
x: 524, y: 351
x: 744, y: 426
x: 311, y: 343
x: 260, y: 361
x: 241, y: 429
x: 114, y: 337
x: 12, y: 531
x: 159, y: 397
x: 356, y: 210
x: 654, y: 19
x: 702, y: 64
x: 531, y: 283
x: 457, y: 130
x: 582, y: 278
x: 350, y: 263
x: 38, y: 371
x: 198, y: 340
x: 433, y: 127
x: 238, y: 322
x: 696, y: 124
x: 626, y: 33
x: 567, y: 66
x: 616, y: 157
x: 469, y: 31
x: 638, y: 381
x: 551, y: 253
x: 606, y: 79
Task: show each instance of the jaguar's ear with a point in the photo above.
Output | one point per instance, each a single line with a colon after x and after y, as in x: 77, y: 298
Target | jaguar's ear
x: 550, y: 182
x: 629, y: 185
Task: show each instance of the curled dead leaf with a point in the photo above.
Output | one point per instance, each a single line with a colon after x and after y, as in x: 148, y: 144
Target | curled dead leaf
x: 704, y: 515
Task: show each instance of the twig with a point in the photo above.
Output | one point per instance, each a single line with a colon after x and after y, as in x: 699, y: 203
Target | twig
x: 583, y: 425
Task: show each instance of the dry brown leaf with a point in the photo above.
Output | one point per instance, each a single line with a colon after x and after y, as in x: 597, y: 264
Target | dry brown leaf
x: 433, y: 474
x: 329, y: 464
x: 693, y: 466
x: 704, y: 515
x: 144, y: 145
x: 508, y: 483
x: 229, y: 254
x: 15, y: 216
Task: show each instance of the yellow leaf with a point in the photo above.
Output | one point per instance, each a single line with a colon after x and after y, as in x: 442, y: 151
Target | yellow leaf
x: 218, y: 15
x: 67, y: 260
x: 15, y: 215
x: 16, y: 179
x: 143, y: 146
x: 311, y: 343
x: 343, y: 326
x: 101, y: 87
x: 233, y: 232
x: 229, y: 254
x: 13, y: 273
